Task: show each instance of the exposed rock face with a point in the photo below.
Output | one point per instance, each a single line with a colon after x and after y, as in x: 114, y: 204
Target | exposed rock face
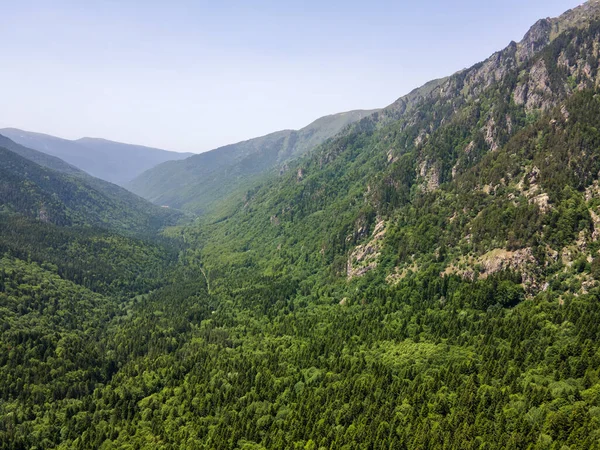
x: 430, y: 174
x: 488, y: 72
x: 534, y: 40
x: 43, y: 215
x: 365, y: 257
x: 596, y: 220
x: 496, y: 261
x: 390, y: 156
x: 536, y: 92
x: 421, y: 138
x: 592, y: 192
x: 490, y: 135
x: 454, y: 170
x: 469, y: 148
x: 543, y: 202
x: 509, y: 124
x: 534, y: 193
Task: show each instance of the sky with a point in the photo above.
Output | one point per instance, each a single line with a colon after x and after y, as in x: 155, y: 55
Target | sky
x: 193, y: 75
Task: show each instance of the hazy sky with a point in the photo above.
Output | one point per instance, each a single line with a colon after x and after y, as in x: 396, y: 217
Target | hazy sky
x: 193, y: 75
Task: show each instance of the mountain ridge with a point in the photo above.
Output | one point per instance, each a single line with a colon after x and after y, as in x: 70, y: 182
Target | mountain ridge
x: 109, y: 160
x: 196, y: 183
x: 45, y: 188
x: 468, y: 83
x: 449, y: 129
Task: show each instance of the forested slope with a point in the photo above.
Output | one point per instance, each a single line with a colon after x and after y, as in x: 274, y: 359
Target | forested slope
x: 72, y: 260
x: 202, y: 183
x: 58, y: 193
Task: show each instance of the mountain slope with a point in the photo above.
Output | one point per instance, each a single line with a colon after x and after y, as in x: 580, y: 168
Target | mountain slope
x: 200, y: 182
x: 381, y: 164
x: 111, y: 161
x: 43, y: 159
x: 442, y: 268
x: 71, y: 197
x: 92, y: 232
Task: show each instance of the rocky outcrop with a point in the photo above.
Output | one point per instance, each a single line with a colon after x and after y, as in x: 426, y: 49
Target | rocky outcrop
x: 492, y: 262
x: 365, y: 257
x: 489, y: 134
x: 43, y: 215
x: 534, y: 40
x: 535, y: 93
x: 430, y: 175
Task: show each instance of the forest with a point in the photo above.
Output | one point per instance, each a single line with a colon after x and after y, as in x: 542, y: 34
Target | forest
x: 429, y: 278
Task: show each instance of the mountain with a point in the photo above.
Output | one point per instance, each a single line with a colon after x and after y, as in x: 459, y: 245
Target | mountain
x: 44, y: 187
x: 111, y: 161
x: 431, y: 280
x: 427, y: 278
x: 419, y: 149
x: 92, y: 232
x: 43, y: 159
x: 203, y: 181
x: 71, y: 258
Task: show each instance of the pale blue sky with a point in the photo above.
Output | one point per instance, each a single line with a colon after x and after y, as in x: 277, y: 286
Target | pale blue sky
x: 193, y: 75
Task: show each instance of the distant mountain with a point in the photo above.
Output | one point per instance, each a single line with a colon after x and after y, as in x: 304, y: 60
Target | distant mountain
x: 44, y: 188
x: 43, y: 159
x: 111, y: 161
x: 200, y: 182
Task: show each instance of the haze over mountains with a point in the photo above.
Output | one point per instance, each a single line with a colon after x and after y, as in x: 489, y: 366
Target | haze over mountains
x: 111, y: 161
x: 183, y: 180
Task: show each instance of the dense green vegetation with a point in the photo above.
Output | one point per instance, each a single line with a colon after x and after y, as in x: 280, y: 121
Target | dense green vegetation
x: 54, y: 195
x: 429, y: 278
x: 196, y: 184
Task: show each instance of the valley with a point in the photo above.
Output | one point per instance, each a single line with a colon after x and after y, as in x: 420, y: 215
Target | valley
x: 425, y: 275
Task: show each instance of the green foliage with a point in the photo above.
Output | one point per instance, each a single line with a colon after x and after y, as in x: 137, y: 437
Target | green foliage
x: 196, y: 184
x: 477, y: 326
x: 67, y: 199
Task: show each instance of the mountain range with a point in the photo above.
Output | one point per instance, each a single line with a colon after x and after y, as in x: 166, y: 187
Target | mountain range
x: 111, y: 161
x: 206, y: 180
x: 422, y: 276
x: 43, y: 187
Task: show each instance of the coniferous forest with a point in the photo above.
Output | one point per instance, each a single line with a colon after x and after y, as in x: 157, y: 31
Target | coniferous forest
x: 427, y: 278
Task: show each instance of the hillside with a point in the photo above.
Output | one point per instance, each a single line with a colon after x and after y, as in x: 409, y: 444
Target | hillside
x: 43, y: 159
x: 430, y: 278
x: 110, y: 161
x: 62, y: 195
x: 426, y: 278
x: 202, y: 182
